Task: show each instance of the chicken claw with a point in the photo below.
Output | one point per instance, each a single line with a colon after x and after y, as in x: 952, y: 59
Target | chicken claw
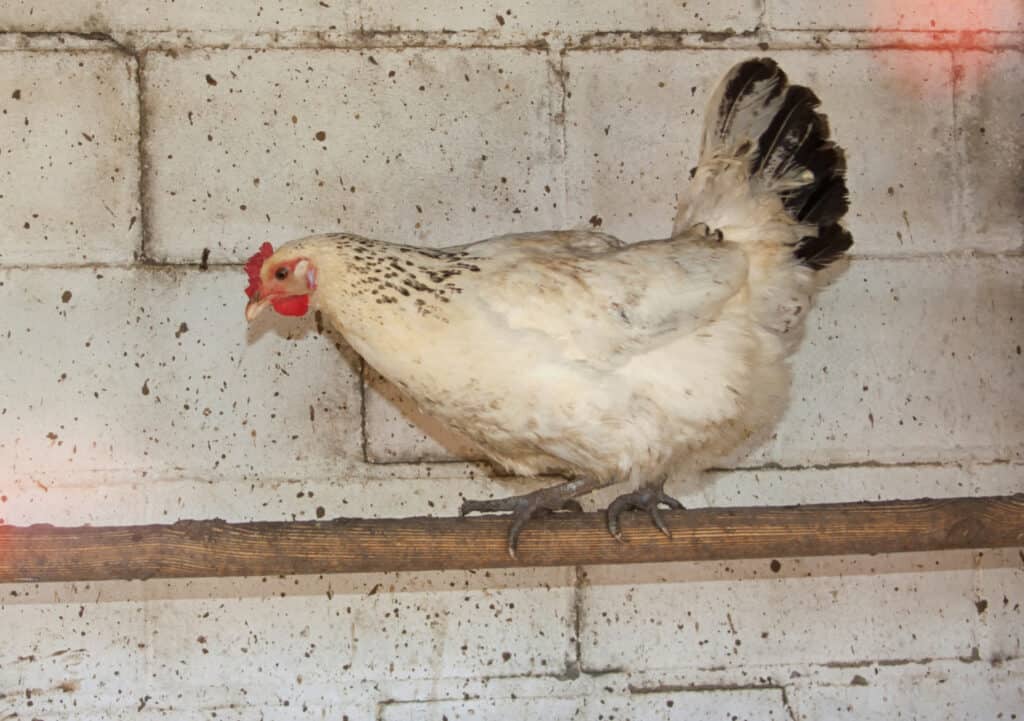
x: 645, y: 500
x: 523, y: 508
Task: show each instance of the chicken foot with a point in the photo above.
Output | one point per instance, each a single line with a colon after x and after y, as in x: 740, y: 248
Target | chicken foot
x: 529, y: 505
x: 647, y: 499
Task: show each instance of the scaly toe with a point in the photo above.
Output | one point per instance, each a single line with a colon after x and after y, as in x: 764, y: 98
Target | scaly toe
x: 645, y: 500
x: 519, y: 519
x: 523, y: 508
x: 616, y: 508
x: 659, y: 522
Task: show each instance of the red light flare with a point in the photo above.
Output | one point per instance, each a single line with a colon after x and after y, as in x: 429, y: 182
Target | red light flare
x: 957, y: 26
x: 945, y: 15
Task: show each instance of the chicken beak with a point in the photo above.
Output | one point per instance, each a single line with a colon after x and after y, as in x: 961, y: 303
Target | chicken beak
x: 255, y: 307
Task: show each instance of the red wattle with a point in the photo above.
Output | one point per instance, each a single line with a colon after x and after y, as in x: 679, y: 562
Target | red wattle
x: 291, y: 305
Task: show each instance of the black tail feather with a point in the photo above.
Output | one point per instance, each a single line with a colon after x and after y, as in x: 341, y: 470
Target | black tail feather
x: 793, y: 156
x: 750, y: 88
x: 826, y: 202
x: 818, y: 251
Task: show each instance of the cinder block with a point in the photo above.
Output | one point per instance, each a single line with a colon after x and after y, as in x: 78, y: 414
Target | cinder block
x: 24, y: 501
x: 847, y: 610
x: 430, y: 147
x: 680, y: 704
x: 535, y: 18
x: 359, y: 627
x: 352, y: 492
x: 117, y: 650
x: 989, y: 118
x: 1000, y: 604
x: 530, y: 19
x: 111, y: 711
x: 515, y: 709
x: 102, y: 16
x: 511, y: 694
x: 195, y: 645
x: 186, y: 708
x: 937, y: 692
x: 141, y: 373
x: 635, y: 120
x: 69, y: 166
x: 906, y: 360
x: 66, y: 656
x: 457, y: 624
x: 188, y: 646
x: 930, y: 15
x: 842, y: 484
x: 213, y: 651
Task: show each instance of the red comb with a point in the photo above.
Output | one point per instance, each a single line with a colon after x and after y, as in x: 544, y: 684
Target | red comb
x: 253, y: 266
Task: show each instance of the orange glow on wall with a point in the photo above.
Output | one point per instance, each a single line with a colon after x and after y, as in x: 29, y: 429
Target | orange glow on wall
x: 939, y: 15
x: 955, y: 26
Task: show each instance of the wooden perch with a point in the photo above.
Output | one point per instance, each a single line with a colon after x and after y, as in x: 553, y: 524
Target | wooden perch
x: 218, y: 548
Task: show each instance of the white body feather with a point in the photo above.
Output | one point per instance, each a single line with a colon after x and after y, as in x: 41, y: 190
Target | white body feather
x: 574, y: 352
x: 571, y: 352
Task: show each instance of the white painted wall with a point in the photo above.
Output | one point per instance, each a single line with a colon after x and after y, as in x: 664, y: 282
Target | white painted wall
x: 135, y: 137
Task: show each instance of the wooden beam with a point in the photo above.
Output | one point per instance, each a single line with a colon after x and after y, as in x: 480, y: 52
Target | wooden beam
x: 218, y: 548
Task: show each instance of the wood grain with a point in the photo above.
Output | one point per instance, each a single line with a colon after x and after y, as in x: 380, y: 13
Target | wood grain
x: 343, y: 545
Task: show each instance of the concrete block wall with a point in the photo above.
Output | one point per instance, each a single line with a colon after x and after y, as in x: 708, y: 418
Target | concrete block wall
x: 147, y: 148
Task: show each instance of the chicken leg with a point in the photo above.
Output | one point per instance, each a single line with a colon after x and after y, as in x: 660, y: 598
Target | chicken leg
x: 526, y: 506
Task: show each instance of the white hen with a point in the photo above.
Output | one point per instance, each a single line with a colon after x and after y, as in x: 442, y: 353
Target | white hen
x: 573, y: 351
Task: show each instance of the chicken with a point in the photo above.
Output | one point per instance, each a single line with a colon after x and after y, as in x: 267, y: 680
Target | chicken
x: 606, y: 362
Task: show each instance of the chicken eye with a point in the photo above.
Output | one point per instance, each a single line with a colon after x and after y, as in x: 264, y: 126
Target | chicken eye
x: 281, y: 273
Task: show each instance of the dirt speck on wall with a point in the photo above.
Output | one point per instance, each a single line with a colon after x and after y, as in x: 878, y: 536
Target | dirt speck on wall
x: 147, y: 149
